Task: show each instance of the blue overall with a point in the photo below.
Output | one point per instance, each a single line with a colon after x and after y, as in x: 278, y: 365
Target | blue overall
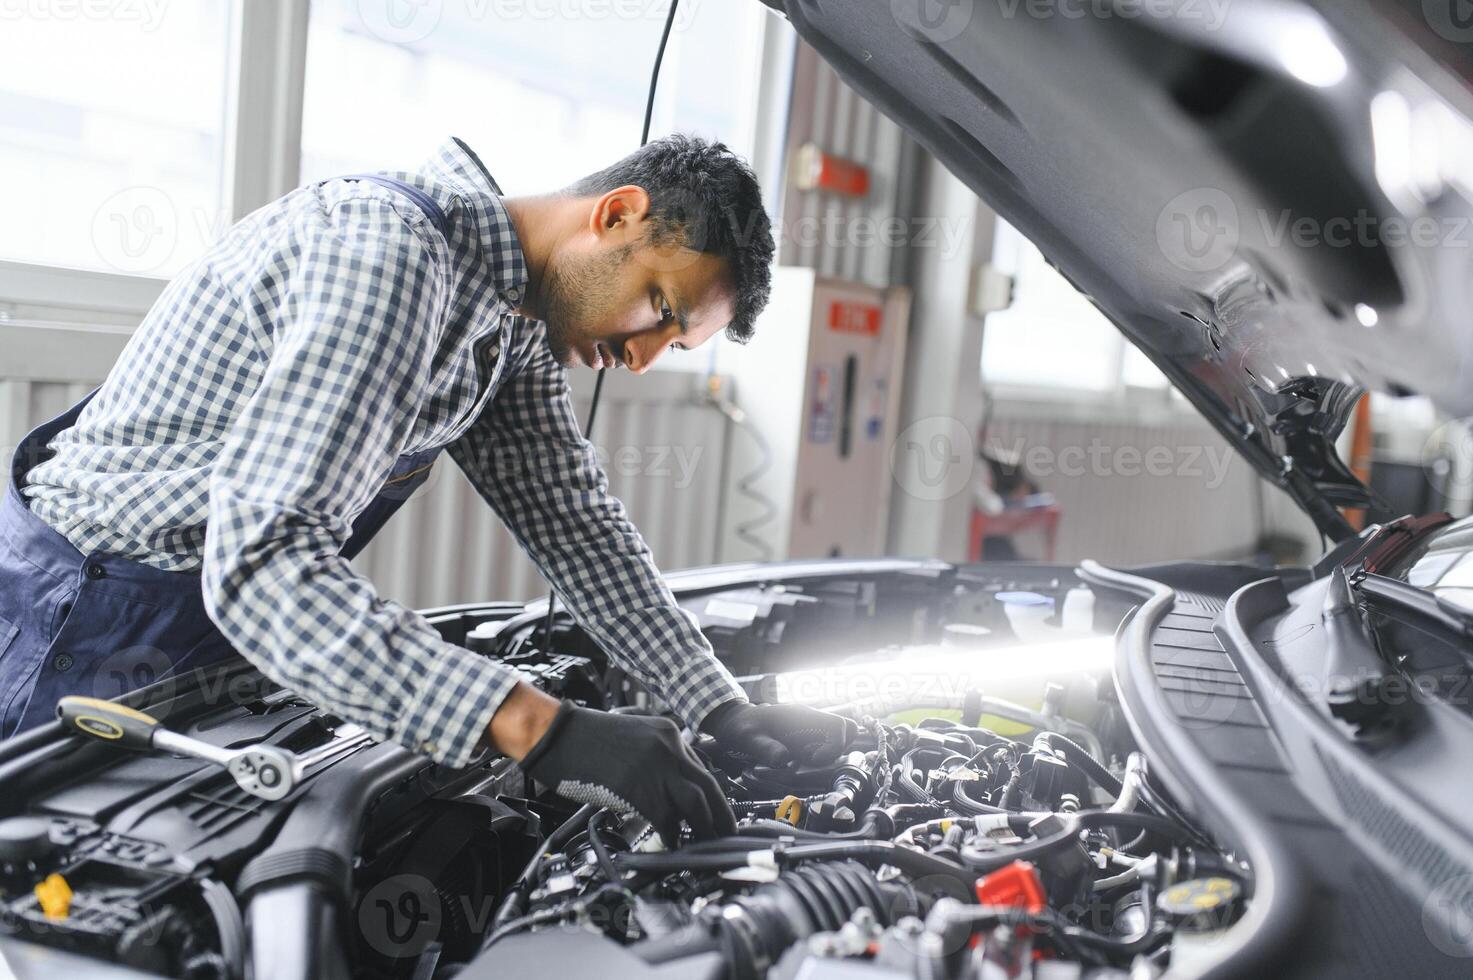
x: 100, y: 625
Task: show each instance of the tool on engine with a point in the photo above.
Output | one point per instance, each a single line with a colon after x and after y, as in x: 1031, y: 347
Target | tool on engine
x: 262, y: 770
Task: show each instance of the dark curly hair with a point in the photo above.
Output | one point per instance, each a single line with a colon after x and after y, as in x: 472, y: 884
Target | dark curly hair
x: 704, y: 197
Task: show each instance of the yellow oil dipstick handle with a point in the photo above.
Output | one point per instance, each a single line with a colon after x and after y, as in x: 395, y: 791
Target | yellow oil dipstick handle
x: 107, y: 721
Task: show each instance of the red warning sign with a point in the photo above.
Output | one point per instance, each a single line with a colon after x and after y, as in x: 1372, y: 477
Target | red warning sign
x: 854, y: 317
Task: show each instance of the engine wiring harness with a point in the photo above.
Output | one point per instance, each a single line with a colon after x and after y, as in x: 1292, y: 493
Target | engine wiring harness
x: 934, y: 850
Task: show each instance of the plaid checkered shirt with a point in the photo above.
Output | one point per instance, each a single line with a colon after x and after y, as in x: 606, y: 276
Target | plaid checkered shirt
x: 265, y: 397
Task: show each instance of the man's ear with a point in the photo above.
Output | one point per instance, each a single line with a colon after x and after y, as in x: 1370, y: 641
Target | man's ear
x: 620, y: 212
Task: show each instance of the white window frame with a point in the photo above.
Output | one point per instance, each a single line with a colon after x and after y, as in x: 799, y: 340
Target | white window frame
x: 1119, y: 403
x: 262, y: 160
x: 263, y: 134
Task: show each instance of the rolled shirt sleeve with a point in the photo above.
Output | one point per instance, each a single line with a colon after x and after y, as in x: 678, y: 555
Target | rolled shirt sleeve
x: 528, y: 459
x: 350, y: 343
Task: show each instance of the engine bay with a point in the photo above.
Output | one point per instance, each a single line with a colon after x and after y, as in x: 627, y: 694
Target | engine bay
x: 994, y: 818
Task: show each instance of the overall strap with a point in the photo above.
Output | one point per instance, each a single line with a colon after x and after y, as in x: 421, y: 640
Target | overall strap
x: 421, y: 200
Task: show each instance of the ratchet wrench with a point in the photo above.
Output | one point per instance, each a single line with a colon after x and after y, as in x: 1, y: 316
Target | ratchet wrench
x: 262, y: 770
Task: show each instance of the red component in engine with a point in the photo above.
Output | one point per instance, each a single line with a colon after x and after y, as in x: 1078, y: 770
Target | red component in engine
x: 1015, y: 885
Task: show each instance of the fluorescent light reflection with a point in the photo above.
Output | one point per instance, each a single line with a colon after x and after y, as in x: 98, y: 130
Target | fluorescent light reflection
x: 936, y: 676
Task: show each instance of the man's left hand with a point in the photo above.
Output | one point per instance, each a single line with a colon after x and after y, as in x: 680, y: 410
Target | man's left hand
x: 778, y: 734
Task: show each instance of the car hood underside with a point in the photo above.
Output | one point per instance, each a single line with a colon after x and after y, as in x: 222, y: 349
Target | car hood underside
x: 1271, y: 199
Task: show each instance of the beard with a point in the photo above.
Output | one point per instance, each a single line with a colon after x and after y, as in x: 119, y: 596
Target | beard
x: 578, y: 293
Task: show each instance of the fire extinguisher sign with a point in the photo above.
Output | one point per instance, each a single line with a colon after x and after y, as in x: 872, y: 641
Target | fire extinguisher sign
x: 862, y: 318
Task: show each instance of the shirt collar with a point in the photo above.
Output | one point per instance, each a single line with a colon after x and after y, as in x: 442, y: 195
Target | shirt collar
x: 457, y: 164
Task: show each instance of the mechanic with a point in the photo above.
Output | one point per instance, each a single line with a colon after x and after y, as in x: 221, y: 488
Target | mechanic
x: 294, y: 385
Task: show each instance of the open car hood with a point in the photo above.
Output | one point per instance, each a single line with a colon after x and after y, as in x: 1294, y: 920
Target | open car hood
x: 1272, y: 199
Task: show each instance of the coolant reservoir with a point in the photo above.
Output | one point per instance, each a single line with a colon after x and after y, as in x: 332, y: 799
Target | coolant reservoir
x: 1028, y: 613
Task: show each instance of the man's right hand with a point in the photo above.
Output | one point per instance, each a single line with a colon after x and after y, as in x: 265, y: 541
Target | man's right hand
x: 631, y: 764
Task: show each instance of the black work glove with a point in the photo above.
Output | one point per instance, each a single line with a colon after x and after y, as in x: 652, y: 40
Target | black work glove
x: 778, y: 734
x: 630, y: 764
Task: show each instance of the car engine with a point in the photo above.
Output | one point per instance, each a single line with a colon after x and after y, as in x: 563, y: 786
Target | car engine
x: 993, y: 819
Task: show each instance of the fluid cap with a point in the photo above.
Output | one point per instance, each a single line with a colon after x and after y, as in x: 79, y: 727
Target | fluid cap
x: 1201, y: 903
x: 25, y: 839
x: 1025, y: 599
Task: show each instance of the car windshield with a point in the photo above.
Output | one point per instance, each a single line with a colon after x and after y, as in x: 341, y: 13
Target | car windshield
x: 1442, y: 563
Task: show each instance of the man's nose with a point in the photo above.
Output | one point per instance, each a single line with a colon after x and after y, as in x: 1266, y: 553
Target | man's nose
x: 643, y: 350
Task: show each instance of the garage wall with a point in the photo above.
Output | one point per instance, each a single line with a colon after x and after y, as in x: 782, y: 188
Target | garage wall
x: 1143, y: 487
x: 842, y: 237
x: 661, y: 446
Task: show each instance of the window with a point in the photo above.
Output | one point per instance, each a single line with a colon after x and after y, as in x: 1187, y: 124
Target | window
x: 130, y: 136
x: 1051, y: 336
x: 544, y: 91
x: 112, y: 123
